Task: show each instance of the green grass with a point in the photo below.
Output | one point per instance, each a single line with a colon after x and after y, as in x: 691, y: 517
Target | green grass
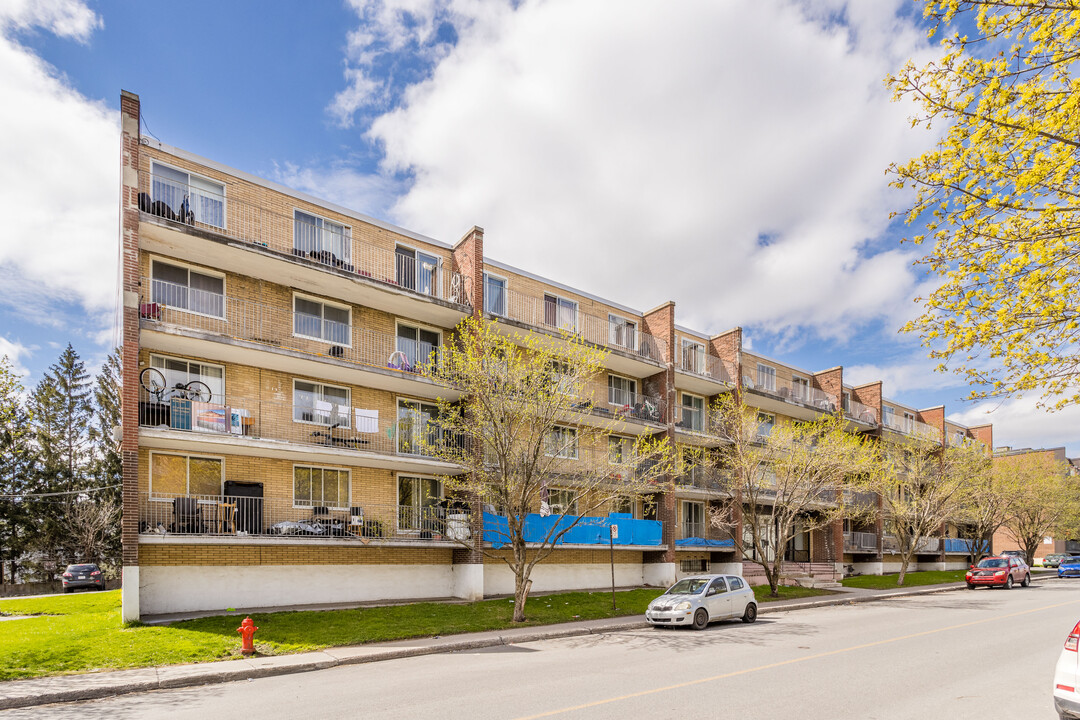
x: 787, y: 592
x: 912, y: 579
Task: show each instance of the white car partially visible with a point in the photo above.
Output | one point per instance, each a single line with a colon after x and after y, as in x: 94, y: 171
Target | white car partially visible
x: 1066, y: 697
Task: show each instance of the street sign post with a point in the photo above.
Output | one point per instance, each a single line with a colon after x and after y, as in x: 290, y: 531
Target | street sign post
x: 611, y: 547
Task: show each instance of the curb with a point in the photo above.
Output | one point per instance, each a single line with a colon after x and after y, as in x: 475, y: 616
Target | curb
x: 173, y: 677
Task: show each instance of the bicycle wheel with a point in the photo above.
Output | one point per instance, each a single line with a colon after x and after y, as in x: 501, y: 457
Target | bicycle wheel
x: 152, y: 381
x: 198, y: 390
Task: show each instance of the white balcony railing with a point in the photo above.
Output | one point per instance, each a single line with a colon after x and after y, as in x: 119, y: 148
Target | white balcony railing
x: 912, y: 427
x: 860, y: 542
x: 696, y: 362
x: 860, y: 412
x: 301, y: 235
x: 792, y: 392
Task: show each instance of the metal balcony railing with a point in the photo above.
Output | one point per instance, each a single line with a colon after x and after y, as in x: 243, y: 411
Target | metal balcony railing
x: 168, y: 304
x: 692, y: 360
x: 860, y: 542
x: 341, y: 518
x: 860, y: 412
x: 555, y: 314
x: 912, y: 427
x: 300, y: 234
x: 693, y: 420
x: 307, y: 422
x: 702, y: 478
x: 686, y: 530
x: 792, y: 392
x: 626, y: 405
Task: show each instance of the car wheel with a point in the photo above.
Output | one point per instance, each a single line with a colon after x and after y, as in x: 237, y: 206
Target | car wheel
x: 750, y: 614
x: 971, y: 586
x: 701, y: 619
x: 1009, y: 583
x: 1026, y: 582
x: 67, y: 590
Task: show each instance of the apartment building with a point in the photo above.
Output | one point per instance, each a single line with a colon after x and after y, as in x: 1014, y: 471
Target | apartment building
x: 1003, y: 538
x: 280, y: 366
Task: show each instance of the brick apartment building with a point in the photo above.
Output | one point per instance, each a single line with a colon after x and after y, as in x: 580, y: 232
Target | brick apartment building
x: 1003, y: 538
x: 274, y: 351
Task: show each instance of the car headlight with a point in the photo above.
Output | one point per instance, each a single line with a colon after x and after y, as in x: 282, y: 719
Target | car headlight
x: 683, y: 606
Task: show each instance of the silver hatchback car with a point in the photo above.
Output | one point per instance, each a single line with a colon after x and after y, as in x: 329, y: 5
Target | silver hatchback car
x: 702, y: 599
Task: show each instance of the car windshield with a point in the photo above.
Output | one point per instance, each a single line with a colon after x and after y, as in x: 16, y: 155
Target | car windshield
x: 81, y: 568
x: 689, y: 586
x: 1071, y: 560
x: 993, y: 563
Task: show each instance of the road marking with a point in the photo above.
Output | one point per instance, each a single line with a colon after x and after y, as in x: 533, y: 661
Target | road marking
x: 770, y: 666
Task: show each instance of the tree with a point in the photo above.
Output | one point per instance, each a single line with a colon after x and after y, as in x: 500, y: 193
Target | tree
x: 784, y: 483
x: 1043, y: 498
x: 106, y: 467
x: 93, y: 526
x: 922, y: 487
x: 1000, y: 194
x: 984, y: 502
x: 15, y: 466
x: 515, y: 435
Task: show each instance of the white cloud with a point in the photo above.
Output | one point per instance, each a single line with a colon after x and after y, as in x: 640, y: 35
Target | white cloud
x: 339, y: 183
x: 729, y: 157
x: 1019, y: 422
x: 60, y: 174
x: 15, y: 352
x: 913, y: 374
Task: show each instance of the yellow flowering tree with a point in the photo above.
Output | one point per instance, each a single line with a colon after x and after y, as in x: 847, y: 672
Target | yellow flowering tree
x: 1000, y: 194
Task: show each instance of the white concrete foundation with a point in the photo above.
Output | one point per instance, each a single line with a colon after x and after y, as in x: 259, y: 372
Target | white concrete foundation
x: 469, y: 581
x: 659, y: 574
x: 550, y: 577
x: 172, y: 589
x: 934, y: 565
x: 870, y: 568
x: 728, y: 568
x: 129, y: 593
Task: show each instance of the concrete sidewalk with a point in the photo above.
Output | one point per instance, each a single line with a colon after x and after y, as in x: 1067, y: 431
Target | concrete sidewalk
x: 69, y: 688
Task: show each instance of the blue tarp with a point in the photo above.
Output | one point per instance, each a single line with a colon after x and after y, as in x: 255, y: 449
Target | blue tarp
x: 587, y: 531
x: 704, y: 542
x: 957, y: 545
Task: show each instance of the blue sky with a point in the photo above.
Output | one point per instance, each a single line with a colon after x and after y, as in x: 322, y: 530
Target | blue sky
x: 749, y: 143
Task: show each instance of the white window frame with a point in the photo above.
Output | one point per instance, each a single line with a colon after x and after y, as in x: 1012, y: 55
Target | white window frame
x: 307, y: 466
x: 322, y: 318
x: 397, y: 497
x: 683, y: 406
x: 154, y: 163
x: 159, y: 356
x: 193, y: 268
x: 506, y: 294
x: 803, y: 383
x: 626, y: 448
x: 187, y: 457
x: 845, y: 401
x: 888, y: 417
x: 613, y: 323
x: 768, y: 372
x: 771, y: 423
x: 436, y: 274
x: 698, y: 349
x: 398, y: 400
x: 683, y: 514
x: 575, y: 496
x: 346, y: 232
x: 559, y: 299
x: 633, y: 393
x: 399, y: 323
x: 909, y: 422
x: 573, y: 446
x: 319, y: 384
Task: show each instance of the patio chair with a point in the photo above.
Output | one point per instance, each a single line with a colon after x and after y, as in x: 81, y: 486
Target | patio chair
x: 187, y: 515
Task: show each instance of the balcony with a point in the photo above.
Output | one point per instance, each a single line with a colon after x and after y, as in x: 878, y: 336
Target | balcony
x: 911, y: 427
x: 172, y: 420
x: 701, y: 482
x: 630, y: 351
x: 232, y: 234
x: 587, y: 530
x: 860, y: 413
x: 623, y: 412
x: 695, y: 426
x: 860, y: 542
x: 168, y: 517
x: 794, y: 400
x: 701, y: 373
x: 183, y: 320
x: 702, y: 536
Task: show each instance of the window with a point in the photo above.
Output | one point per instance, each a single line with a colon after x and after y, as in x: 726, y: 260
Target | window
x: 800, y: 388
x: 621, y: 391
x: 417, y: 430
x: 717, y: 587
x: 693, y: 356
x: 562, y: 442
x: 888, y: 414
x: 189, y: 198
x: 625, y: 506
x: 561, y: 382
x: 181, y: 372
x: 185, y: 475
x: 693, y: 519
x: 328, y: 242
x: 845, y: 402
x: 622, y: 332
x: 766, y: 377
x: 693, y: 412
x: 320, y: 487
x: 620, y: 449
x: 562, y: 502
x: 909, y: 422
x: 765, y: 424
x: 419, y: 346
x: 322, y: 321
x: 694, y: 566
x: 560, y: 313
x: 494, y: 295
x: 320, y: 404
x: 415, y: 270
x: 735, y: 583
x: 418, y: 503
x: 177, y: 286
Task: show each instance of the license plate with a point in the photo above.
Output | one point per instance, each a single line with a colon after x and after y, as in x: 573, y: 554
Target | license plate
x: 82, y: 577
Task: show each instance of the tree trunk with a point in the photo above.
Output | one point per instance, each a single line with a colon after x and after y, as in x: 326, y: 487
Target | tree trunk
x: 521, y: 594
x: 903, y: 568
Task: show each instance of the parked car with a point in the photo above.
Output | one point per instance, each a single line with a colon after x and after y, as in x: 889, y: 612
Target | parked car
x: 83, y: 576
x: 1069, y: 567
x: 702, y: 599
x: 1001, y: 571
x: 1066, y: 698
x: 1054, y: 559
x: 1011, y: 553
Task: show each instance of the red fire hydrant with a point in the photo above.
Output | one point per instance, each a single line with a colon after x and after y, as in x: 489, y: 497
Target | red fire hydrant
x: 247, y: 632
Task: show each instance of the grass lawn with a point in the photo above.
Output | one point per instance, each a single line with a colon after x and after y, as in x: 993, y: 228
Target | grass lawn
x: 912, y: 579
x: 787, y: 592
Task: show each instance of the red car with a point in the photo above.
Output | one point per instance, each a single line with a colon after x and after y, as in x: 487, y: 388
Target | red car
x: 1001, y: 571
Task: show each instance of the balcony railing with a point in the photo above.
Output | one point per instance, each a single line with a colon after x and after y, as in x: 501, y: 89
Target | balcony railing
x: 314, y: 424
x: 299, y: 234
x: 860, y: 542
x: 702, y: 478
x: 182, y: 514
x: 692, y: 360
x: 167, y: 303
x: 860, y: 412
x: 626, y: 405
x: 548, y: 313
x: 794, y: 393
x: 912, y: 427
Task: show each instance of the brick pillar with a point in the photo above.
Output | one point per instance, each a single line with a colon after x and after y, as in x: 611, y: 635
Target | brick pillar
x: 935, y: 417
x: 831, y: 381
x: 660, y: 323
x: 728, y: 347
x: 129, y: 359
x: 870, y: 396
x: 467, y: 258
x: 985, y: 435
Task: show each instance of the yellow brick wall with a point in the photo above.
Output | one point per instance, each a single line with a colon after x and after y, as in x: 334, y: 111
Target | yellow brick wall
x: 247, y: 555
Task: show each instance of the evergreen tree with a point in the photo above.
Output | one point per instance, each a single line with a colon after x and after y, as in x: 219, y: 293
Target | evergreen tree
x: 107, y: 466
x: 16, y: 464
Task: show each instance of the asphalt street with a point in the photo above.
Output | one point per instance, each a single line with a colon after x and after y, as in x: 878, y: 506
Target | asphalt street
x: 966, y: 654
